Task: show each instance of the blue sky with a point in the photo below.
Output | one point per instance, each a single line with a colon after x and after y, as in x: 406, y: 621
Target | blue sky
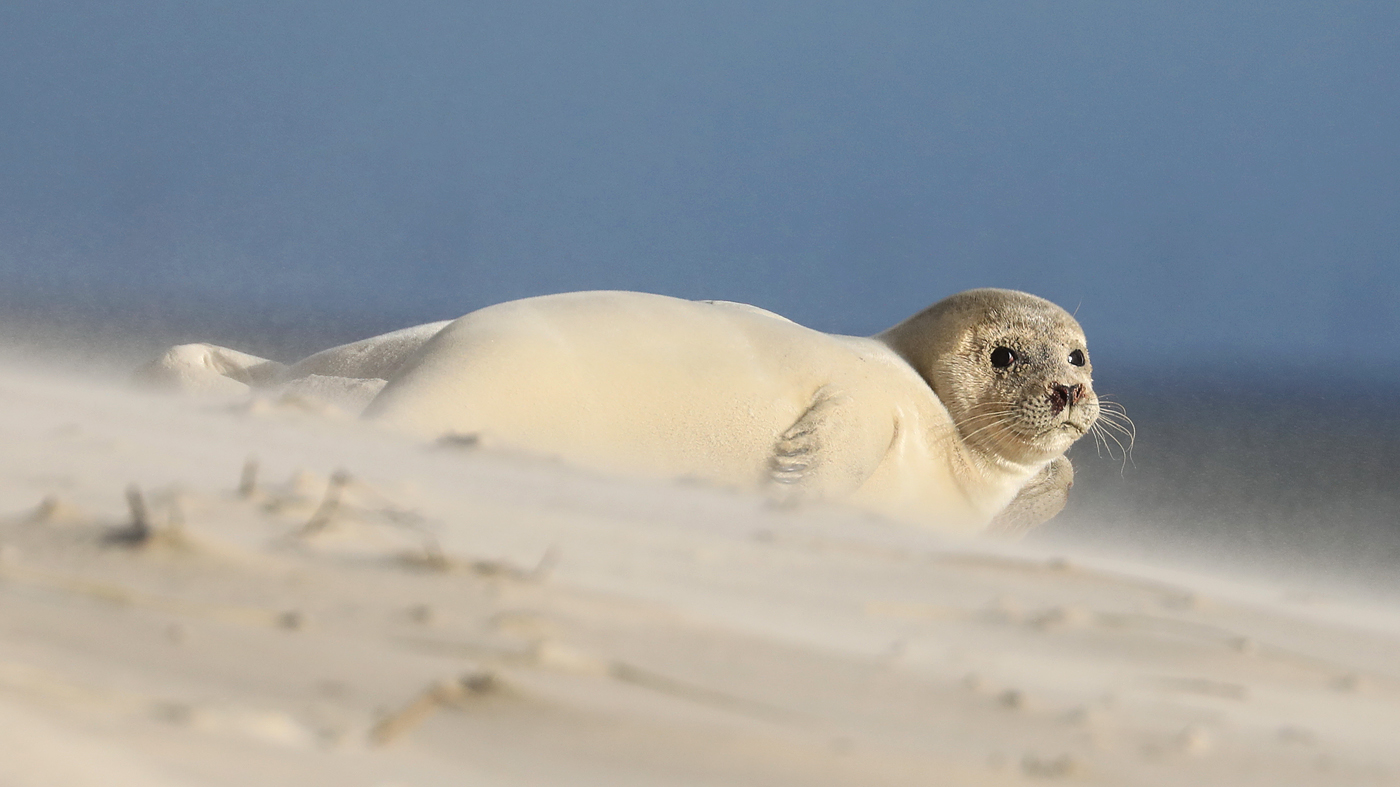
x: 1198, y: 179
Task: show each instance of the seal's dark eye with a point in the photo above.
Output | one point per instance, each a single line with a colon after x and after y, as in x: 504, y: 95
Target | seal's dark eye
x: 1076, y: 358
x: 1003, y: 357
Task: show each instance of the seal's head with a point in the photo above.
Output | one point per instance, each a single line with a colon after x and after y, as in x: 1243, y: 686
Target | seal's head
x: 1012, y: 370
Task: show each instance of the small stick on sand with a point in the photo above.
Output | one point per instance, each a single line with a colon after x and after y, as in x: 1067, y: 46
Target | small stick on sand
x: 329, y: 506
x: 139, y: 531
x: 248, y: 482
x: 437, y: 695
x: 501, y: 568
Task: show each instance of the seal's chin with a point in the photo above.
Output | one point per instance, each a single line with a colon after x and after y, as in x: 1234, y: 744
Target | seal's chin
x: 1038, y: 446
x: 1059, y: 438
x: 1056, y: 438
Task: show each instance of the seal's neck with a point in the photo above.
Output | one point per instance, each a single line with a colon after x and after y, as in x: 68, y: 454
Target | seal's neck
x: 991, y: 482
x: 919, y: 340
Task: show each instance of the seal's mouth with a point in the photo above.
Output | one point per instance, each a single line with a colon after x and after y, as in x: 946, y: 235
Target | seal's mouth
x: 1078, y: 430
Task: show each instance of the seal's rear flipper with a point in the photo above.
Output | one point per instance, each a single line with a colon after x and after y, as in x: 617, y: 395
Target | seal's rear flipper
x: 349, y: 375
x: 207, y: 368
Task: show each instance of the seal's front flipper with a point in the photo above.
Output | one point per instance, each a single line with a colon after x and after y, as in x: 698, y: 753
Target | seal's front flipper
x: 827, y: 453
x: 1038, y: 502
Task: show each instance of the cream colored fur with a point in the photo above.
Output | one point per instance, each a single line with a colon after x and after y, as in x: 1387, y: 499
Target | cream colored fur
x: 914, y: 423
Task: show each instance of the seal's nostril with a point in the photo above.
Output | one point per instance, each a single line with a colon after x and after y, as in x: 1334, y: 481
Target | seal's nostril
x: 1062, y: 396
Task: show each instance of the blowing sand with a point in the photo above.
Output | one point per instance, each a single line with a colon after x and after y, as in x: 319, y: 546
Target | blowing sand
x: 205, y: 592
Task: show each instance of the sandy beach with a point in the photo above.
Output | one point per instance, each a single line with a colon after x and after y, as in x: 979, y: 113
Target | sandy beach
x: 234, y: 592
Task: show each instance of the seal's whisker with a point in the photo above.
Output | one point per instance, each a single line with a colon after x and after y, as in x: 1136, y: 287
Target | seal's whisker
x: 1127, y: 450
x: 998, y: 425
x: 982, y: 417
x: 994, y: 403
x: 994, y: 420
x: 1099, y: 439
x: 1122, y: 424
x: 1112, y: 407
x: 977, y: 423
x: 995, y: 423
x: 1127, y: 428
x: 1113, y: 413
x: 998, y: 414
x: 1001, y: 437
x: 991, y: 417
x: 1099, y: 443
x: 990, y: 414
x: 1122, y: 451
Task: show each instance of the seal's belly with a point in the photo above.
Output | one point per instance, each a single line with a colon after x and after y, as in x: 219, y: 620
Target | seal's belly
x: 620, y: 381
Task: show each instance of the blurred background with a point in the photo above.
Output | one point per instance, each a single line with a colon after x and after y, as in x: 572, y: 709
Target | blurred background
x: 1214, y: 189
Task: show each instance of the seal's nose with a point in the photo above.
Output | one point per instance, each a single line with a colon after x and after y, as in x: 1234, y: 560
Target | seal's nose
x: 1062, y: 396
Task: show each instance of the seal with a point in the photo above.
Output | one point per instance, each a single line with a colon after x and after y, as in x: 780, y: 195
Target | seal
x: 947, y: 418
x: 958, y: 417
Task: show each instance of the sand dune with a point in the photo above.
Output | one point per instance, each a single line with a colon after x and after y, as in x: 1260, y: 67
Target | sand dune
x: 224, y: 592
